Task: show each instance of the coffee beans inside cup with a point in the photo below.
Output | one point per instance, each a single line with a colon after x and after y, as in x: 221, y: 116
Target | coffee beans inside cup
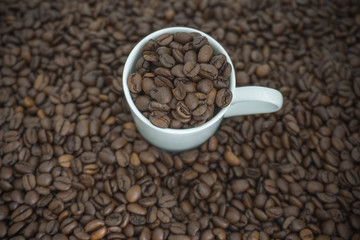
x: 179, y: 81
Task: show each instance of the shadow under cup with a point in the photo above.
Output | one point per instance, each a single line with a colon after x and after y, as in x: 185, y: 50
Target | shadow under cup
x: 167, y: 138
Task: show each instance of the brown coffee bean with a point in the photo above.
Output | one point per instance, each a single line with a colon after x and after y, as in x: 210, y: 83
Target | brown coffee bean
x: 29, y: 182
x: 162, y: 94
x: 158, y: 233
x: 164, y: 215
x: 204, y: 86
x: 208, y: 71
x: 270, y: 186
x: 199, y: 41
x: 62, y: 183
x: 274, y: 212
x: 65, y: 160
x: 263, y: 71
x: 94, y: 225
x: 205, y: 54
x: 182, y: 37
x: 134, y: 83
x: 240, y: 185
x: 81, y: 234
x: 133, y: 194
x: 191, y: 69
x: 328, y: 227
x: 136, y: 209
x: 98, y: 234
x: 167, y: 201
x: 190, y: 56
x: 314, y: 187
x: 21, y: 213
x: 223, y: 97
x: 164, y: 39
x: 167, y: 61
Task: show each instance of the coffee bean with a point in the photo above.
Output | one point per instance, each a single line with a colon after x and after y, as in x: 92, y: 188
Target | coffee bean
x: 98, y: 234
x: 133, y: 193
x: 158, y: 233
x: 134, y: 83
x: 94, y: 225
x: 164, y: 39
x: 199, y: 41
x: 191, y: 69
x: 208, y: 71
x: 164, y: 215
x: 167, y: 201
x: 314, y: 187
x: 182, y: 37
x: 240, y: 185
x: 270, y: 186
x: 29, y: 182
x: 21, y: 213
x: 62, y: 183
x: 274, y: 212
x: 223, y: 98
x: 263, y: 71
x: 136, y: 209
x: 205, y: 54
x: 167, y: 61
x: 328, y: 227
x: 65, y: 160
x: 52, y: 227
x: 162, y: 94
x: 190, y: 56
x: 81, y: 234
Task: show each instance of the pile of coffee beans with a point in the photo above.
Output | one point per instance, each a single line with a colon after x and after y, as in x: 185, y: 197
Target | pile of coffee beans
x: 179, y: 82
x: 73, y: 166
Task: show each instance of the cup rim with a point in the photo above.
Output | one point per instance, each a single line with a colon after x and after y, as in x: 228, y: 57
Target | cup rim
x: 134, y: 56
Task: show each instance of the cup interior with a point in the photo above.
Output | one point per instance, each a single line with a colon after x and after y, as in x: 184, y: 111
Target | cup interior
x: 134, y: 56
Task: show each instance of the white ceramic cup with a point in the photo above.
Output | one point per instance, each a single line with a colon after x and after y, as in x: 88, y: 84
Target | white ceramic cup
x: 246, y: 100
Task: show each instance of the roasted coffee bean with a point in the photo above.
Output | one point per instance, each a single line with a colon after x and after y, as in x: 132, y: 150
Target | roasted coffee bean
x: 62, y: 183
x: 65, y: 160
x: 208, y: 71
x: 164, y: 39
x: 29, y: 182
x: 136, y: 209
x: 81, y: 234
x: 199, y: 41
x: 133, y: 193
x: 21, y: 213
x: 167, y: 201
x: 164, y: 215
x: 205, y: 54
x: 159, y: 119
x: 239, y: 185
x: 94, y: 225
x: 223, y: 97
x: 134, y: 82
x: 167, y: 61
x: 190, y: 56
x: 191, y: 69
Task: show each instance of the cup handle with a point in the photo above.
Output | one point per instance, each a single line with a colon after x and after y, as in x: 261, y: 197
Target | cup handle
x: 254, y: 100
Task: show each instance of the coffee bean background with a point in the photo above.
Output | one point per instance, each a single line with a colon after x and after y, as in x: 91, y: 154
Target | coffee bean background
x: 73, y: 166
